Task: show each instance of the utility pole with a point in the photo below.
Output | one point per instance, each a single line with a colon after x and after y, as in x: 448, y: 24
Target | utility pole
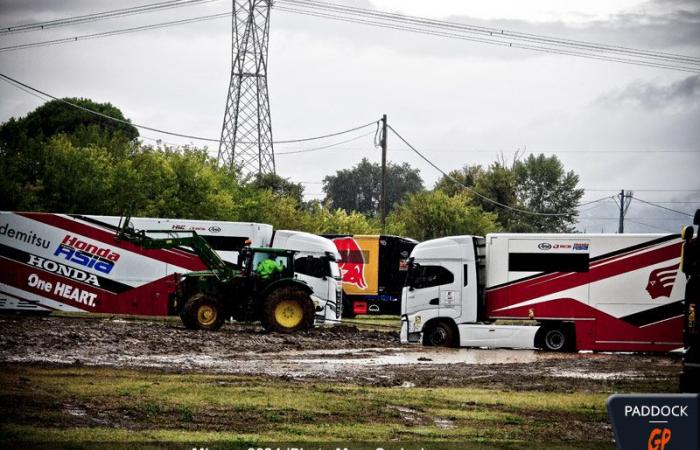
x: 383, y: 144
x: 625, y: 200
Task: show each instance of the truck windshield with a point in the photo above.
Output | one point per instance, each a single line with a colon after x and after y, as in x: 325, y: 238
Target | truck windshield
x: 335, y: 270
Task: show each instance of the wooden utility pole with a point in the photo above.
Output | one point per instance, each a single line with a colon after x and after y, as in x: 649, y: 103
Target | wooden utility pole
x: 621, y: 225
x: 383, y: 144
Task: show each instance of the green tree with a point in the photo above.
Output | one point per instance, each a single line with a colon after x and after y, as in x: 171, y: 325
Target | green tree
x: 538, y: 184
x: 467, y: 176
x: 359, y: 189
x: 428, y: 215
x: 280, y: 186
x: 25, y: 144
x: 543, y: 186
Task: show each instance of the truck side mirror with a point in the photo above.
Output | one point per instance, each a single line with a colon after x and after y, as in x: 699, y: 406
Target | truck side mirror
x: 696, y: 219
x: 687, y: 233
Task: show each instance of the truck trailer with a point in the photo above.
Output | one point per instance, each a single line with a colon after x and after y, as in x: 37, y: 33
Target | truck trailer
x: 373, y: 269
x: 599, y: 292
x: 74, y: 263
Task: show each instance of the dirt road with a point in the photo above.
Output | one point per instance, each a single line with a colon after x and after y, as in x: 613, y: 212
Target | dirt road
x: 342, y: 353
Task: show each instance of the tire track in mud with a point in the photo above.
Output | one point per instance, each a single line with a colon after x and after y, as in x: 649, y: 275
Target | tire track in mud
x: 340, y: 353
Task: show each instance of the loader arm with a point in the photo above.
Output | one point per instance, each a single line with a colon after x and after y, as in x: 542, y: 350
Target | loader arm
x: 172, y: 239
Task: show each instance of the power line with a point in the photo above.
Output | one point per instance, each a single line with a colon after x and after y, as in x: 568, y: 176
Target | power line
x: 495, y: 37
x: 19, y: 84
x: 151, y: 7
x: 468, y: 189
x: 488, y: 31
x: 325, y: 146
x: 114, y: 32
x: 662, y: 207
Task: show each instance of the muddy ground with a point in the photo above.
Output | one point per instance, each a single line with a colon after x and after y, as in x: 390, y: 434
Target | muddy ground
x: 341, y: 353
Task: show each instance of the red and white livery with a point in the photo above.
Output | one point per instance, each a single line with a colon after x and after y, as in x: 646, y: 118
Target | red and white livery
x: 74, y: 263
x: 603, y: 292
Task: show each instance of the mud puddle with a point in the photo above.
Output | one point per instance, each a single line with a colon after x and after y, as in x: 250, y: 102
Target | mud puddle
x: 341, y: 353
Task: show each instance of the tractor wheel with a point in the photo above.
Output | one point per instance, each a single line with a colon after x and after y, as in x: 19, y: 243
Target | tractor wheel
x: 286, y: 310
x: 439, y: 334
x: 203, y: 313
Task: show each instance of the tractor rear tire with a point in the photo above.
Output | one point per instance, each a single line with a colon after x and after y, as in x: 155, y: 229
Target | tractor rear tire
x: 203, y: 313
x: 286, y: 310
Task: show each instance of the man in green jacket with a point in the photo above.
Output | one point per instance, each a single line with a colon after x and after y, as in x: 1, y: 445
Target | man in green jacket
x: 269, y: 267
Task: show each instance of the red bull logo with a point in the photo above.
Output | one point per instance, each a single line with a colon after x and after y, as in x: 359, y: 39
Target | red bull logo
x: 352, y: 262
x: 661, y: 281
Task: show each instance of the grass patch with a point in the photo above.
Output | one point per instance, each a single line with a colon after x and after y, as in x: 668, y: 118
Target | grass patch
x: 116, y: 405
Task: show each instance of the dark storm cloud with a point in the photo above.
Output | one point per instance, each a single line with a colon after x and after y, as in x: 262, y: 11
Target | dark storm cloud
x: 654, y: 96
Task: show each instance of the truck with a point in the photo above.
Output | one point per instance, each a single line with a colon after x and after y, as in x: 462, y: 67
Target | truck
x: 598, y: 292
x: 373, y: 270
x: 690, y: 266
x: 89, y: 271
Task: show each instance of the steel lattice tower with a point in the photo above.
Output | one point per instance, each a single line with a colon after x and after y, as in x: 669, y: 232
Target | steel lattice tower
x: 246, y: 136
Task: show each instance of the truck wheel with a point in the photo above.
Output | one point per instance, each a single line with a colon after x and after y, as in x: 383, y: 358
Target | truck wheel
x: 439, y: 334
x: 203, y: 313
x: 287, y: 310
x: 557, y: 339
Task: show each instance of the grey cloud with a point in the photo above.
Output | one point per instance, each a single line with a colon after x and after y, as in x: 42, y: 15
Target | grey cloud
x: 655, y: 96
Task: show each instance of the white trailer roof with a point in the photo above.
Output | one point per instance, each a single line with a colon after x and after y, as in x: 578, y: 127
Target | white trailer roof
x: 452, y: 247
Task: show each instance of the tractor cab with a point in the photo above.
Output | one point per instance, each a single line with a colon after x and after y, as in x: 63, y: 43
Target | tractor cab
x: 266, y: 264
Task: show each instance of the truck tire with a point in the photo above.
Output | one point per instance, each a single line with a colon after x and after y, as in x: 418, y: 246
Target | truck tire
x: 202, y: 313
x: 556, y: 338
x: 439, y: 334
x: 286, y: 310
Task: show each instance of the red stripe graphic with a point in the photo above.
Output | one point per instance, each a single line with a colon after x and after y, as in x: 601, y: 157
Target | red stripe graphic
x: 606, y: 332
x: 560, y: 281
x: 175, y: 257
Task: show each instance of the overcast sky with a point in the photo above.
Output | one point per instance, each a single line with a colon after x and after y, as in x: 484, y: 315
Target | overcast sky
x: 618, y: 126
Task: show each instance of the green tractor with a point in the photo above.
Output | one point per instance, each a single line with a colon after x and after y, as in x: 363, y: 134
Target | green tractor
x: 261, y: 286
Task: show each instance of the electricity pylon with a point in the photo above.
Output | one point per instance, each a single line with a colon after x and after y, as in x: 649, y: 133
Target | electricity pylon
x: 246, y: 136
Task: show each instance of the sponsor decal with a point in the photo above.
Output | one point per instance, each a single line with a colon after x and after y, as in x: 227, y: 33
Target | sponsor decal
x: 63, y: 270
x: 352, y: 261
x: 62, y: 290
x: 182, y: 227
x: 583, y: 246
x: 214, y: 229
x: 654, y: 421
x: 545, y: 246
x: 28, y: 237
x: 86, y: 254
x: 661, y: 281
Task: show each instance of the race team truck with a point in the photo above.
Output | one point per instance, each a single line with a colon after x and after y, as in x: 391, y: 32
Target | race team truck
x: 373, y: 269
x: 601, y: 292
x: 74, y: 263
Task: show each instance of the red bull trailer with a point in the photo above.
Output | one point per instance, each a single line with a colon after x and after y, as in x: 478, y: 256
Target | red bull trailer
x: 615, y: 292
x: 373, y: 269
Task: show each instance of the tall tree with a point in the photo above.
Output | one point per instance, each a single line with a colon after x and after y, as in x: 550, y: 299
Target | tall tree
x: 428, y: 215
x: 538, y: 184
x: 467, y: 176
x: 359, y: 189
x: 543, y: 186
x: 280, y: 186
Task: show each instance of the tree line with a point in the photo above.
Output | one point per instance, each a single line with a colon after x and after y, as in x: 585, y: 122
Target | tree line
x: 61, y: 159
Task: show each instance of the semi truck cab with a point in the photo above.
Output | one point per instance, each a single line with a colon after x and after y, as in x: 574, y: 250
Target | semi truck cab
x: 443, y: 299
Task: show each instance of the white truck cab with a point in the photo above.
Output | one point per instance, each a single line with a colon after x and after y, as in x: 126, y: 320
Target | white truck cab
x: 443, y: 299
x: 316, y: 263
